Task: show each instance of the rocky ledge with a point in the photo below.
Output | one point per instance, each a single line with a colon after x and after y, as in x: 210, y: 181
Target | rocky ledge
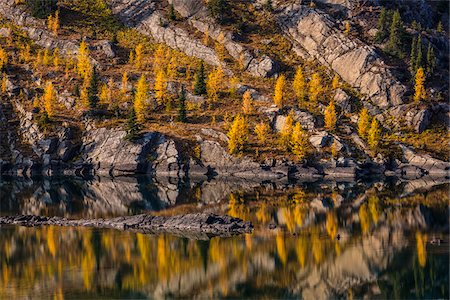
x: 198, y: 226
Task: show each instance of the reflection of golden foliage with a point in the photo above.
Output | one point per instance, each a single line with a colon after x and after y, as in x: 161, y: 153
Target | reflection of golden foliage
x: 51, y: 241
x: 421, y: 241
x: 374, y: 208
x: 299, y: 197
x: 263, y: 214
x: 87, y: 260
x: 364, y: 218
x: 301, y: 249
x: 331, y: 225
x: 317, y: 247
x: 144, y: 248
x: 281, y: 247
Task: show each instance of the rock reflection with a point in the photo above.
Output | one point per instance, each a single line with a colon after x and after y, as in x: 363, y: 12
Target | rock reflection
x: 309, y: 242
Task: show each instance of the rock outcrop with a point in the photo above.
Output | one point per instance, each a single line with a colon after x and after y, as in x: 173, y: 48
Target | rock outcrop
x: 315, y: 35
x: 415, y: 165
x: 202, y: 226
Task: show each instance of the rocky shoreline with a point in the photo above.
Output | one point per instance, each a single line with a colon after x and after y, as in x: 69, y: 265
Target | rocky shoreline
x: 197, y: 226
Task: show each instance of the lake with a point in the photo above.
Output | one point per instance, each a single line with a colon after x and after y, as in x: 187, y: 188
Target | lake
x: 312, y: 240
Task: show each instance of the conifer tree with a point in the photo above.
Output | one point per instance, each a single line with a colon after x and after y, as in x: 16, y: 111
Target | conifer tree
x: 171, y: 15
x: 237, y: 135
x: 3, y: 58
x: 56, y: 59
x: 382, y: 26
x: 396, y: 32
x: 55, y: 23
x: 419, y: 57
x: 299, y: 84
x: 419, y: 88
x: 440, y: 28
x: 374, y: 134
x: 286, y: 131
x: 431, y: 60
x: 347, y: 27
x: 247, y: 103
x: 363, y: 123
x: 46, y: 59
x: 172, y: 67
x: 218, y: 9
x: 49, y: 99
x: 214, y: 84
x: 84, y: 63
x: 315, y: 87
x: 298, y: 141
x: 413, y: 56
x: 93, y: 88
x: 330, y: 117
x: 182, y: 105
x: 4, y: 86
x: 140, y: 99
x: 335, y: 83
x: 200, y: 85
x: 279, y: 96
x: 160, y: 87
x: 133, y: 126
x: 262, y: 130
x: 138, y: 59
x: 131, y: 58
x: 159, y: 59
x: 124, y: 85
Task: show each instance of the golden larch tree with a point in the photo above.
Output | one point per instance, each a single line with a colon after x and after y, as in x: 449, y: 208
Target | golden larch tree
x: 298, y: 141
x: 279, y: 93
x: 262, y: 130
x: 3, y: 58
x: 335, y: 83
x: 49, y: 99
x: 374, y: 134
x: 138, y: 59
x: 160, y: 87
x: 237, y: 135
x: 363, y: 123
x: 330, y: 117
x: 286, y: 131
x: 214, y: 84
x: 299, y: 84
x: 140, y: 99
x: 419, y: 88
x: 124, y: 85
x: 315, y: 87
x: 247, y: 103
x: 84, y: 66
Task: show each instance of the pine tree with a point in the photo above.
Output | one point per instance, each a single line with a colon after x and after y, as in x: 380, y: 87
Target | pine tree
x: 419, y: 88
x: 431, y: 60
x: 419, y: 57
x: 171, y: 15
x: 315, y: 87
x: 363, y: 123
x: 93, y: 89
x: 413, y: 56
x: 396, y: 32
x: 140, y: 99
x: 279, y: 96
x: 3, y: 58
x: 298, y: 141
x: 247, y: 103
x: 374, y: 134
x: 237, y: 135
x: 160, y: 87
x: 182, y: 106
x: 382, y: 26
x: 286, y: 131
x: 330, y: 117
x: 299, y: 85
x: 262, y: 130
x: 138, y: 59
x: 133, y: 126
x: 200, y: 85
x: 214, y: 84
x: 218, y: 9
x: 49, y: 99
x: 84, y: 63
x: 440, y: 28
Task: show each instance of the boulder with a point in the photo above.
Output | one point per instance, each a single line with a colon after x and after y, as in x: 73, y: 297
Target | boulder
x: 306, y: 120
x: 320, y: 139
x: 106, y: 47
x: 424, y: 162
x: 415, y: 116
x: 343, y: 100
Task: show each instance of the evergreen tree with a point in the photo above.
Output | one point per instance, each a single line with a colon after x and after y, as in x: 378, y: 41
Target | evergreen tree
x: 133, y: 127
x: 396, y: 33
x: 419, y: 57
x: 268, y: 5
x: 413, y: 56
x: 171, y: 15
x: 383, y: 22
x: 431, y: 60
x: 219, y: 9
x: 42, y: 8
x: 200, y: 84
x: 93, y: 89
x: 419, y: 87
x: 279, y: 96
x: 182, y: 105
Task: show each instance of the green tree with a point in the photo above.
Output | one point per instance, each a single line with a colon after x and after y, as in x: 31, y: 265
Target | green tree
x: 200, y: 81
x: 440, y: 28
x: 182, y: 105
x: 413, y: 56
x: 419, y: 58
x: 133, y: 127
x: 431, y: 60
x: 383, y: 25
x: 93, y: 89
x: 42, y: 8
x: 219, y: 9
x: 396, y: 34
x: 171, y: 15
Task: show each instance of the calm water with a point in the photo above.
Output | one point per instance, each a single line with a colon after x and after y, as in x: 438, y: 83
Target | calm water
x: 311, y: 241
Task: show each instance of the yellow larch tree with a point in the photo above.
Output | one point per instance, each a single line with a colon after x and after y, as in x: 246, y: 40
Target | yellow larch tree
x: 4, y: 83
x: 315, y: 87
x: 374, y: 134
x: 56, y: 59
x: 3, y: 58
x: 25, y: 53
x: 138, y: 59
x: 140, y: 99
x: 159, y: 59
x: 262, y: 130
x: 335, y: 83
x: 298, y: 141
x: 172, y: 67
x: 363, y: 123
x: 237, y: 135
x: 124, y: 86
x: 279, y: 95
x: 49, y: 99
x: 419, y: 88
x: 247, y: 103
x: 47, y: 58
x: 299, y: 84
x: 214, y: 84
x: 220, y: 46
x: 160, y: 87
x: 55, y: 23
x: 330, y: 117
x: 286, y: 131
x: 84, y: 66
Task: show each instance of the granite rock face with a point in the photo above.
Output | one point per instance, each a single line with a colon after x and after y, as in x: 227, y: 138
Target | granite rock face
x: 315, y: 35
